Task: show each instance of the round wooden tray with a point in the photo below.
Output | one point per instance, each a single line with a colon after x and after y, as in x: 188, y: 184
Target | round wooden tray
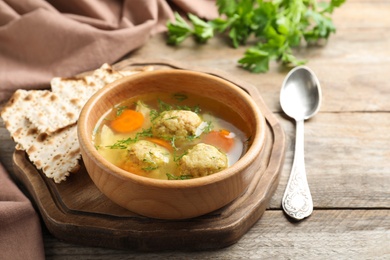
x: 77, y: 212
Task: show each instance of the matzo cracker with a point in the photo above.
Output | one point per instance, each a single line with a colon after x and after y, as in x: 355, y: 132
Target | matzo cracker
x: 22, y: 131
x: 56, y: 155
x: 50, y: 112
x: 63, y: 105
x: 43, y: 122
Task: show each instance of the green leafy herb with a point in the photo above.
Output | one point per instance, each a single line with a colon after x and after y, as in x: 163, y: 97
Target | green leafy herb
x: 202, y: 30
x: 179, y: 30
x: 278, y: 26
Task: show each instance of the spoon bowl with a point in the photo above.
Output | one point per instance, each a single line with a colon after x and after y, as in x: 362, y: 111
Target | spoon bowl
x: 300, y: 96
x: 300, y: 99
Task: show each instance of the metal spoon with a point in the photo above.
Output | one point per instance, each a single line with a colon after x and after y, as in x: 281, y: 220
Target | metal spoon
x: 300, y: 98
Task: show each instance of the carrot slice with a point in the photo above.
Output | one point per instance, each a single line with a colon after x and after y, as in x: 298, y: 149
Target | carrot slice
x: 224, y: 132
x: 161, y: 142
x: 127, y: 121
x: 219, y: 139
x: 129, y: 167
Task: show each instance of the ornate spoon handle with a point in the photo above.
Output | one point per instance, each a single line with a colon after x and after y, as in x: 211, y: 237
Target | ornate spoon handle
x: 297, y: 201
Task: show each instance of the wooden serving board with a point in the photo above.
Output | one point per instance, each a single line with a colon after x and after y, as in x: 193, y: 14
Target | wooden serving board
x: 77, y: 212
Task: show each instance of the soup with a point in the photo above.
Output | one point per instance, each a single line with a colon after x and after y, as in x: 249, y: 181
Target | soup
x: 172, y: 136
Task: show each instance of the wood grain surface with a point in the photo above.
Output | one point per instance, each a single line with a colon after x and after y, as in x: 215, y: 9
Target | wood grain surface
x: 346, y: 144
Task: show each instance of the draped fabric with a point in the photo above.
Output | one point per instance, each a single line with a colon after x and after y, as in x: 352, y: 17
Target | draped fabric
x: 43, y: 39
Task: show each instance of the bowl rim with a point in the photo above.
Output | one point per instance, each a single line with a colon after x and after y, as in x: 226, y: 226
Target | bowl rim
x: 251, y: 154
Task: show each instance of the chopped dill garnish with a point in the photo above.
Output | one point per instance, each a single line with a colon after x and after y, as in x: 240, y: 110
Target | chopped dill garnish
x: 177, y: 158
x: 149, y: 168
x: 181, y: 177
x: 124, y: 143
x: 171, y: 176
x: 151, y: 165
x: 162, y: 106
x: 120, y: 109
x: 145, y: 133
x: 172, y: 140
x: 183, y: 107
x: 209, y: 127
x: 170, y: 118
x: 196, y: 109
x: 153, y: 114
x: 147, y: 160
x: 191, y: 137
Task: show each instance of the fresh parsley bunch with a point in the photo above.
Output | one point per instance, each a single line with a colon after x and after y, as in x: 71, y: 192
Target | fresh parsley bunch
x: 277, y: 25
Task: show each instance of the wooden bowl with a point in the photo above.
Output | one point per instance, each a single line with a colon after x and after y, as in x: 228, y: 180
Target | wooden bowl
x: 167, y: 199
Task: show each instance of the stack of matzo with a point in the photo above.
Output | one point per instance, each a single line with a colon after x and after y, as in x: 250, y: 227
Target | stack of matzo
x: 43, y: 122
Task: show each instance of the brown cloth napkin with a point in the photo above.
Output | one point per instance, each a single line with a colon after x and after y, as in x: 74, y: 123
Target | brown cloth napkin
x: 41, y: 39
x: 20, y: 231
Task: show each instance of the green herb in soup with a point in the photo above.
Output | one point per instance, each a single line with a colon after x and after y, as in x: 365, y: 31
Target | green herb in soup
x: 171, y: 136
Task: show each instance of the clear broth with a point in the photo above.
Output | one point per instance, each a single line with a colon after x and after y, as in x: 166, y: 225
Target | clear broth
x: 221, y: 116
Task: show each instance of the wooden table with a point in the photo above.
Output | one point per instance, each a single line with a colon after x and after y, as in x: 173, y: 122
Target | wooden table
x: 347, y: 146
